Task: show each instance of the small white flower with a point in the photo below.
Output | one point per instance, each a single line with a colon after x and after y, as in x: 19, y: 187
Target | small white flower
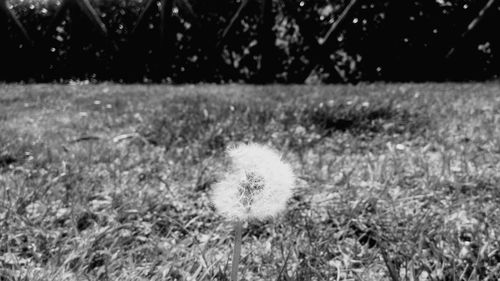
x: 258, y: 185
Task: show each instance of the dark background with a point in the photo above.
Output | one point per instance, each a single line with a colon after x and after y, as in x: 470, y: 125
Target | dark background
x: 270, y: 41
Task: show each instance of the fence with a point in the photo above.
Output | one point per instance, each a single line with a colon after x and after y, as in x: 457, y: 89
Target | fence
x: 78, y: 24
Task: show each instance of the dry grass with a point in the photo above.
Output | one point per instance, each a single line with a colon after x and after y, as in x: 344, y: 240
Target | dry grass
x: 397, y: 182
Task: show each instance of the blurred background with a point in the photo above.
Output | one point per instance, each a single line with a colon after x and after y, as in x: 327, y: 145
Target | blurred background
x: 251, y: 41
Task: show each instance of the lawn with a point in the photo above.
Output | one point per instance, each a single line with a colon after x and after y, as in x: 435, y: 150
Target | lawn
x: 112, y: 182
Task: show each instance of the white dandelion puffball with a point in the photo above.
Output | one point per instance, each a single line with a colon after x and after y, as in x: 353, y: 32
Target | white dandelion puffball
x: 257, y: 186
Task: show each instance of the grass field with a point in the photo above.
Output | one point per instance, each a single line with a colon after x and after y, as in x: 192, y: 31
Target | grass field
x: 112, y: 182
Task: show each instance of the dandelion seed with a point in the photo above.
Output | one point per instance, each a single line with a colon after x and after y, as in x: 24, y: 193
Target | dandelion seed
x: 257, y: 187
x: 250, y: 187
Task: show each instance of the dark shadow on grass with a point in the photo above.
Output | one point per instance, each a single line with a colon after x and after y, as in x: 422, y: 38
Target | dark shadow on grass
x: 362, y: 119
x: 211, y: 124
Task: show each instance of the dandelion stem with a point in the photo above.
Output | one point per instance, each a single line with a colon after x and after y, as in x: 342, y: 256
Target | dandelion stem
x: 236, y: 250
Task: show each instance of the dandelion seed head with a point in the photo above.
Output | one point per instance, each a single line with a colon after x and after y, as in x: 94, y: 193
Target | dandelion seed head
x: 258, y: 184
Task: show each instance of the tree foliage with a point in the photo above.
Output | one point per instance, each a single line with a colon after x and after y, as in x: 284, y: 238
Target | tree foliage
x: 381, y: 40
